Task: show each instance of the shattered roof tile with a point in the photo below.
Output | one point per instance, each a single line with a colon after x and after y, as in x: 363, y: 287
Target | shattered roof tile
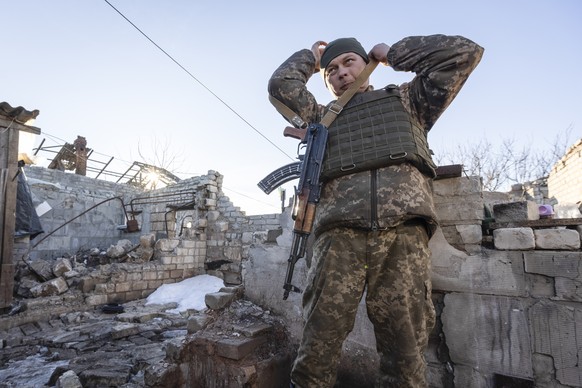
x: 18, y: 114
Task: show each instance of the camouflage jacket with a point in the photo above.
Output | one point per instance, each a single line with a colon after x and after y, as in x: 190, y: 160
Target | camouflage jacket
x: 390, y: 195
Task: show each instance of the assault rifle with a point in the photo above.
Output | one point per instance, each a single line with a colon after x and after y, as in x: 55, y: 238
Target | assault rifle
x: 307, y: 193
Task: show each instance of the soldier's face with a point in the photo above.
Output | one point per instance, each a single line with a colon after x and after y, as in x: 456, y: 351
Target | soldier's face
x: 342, y: 71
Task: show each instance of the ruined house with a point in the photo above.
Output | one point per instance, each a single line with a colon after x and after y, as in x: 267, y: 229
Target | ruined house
x: 506, y: 284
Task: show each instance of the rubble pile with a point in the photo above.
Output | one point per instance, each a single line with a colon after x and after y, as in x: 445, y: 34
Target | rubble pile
x: 138, y: 345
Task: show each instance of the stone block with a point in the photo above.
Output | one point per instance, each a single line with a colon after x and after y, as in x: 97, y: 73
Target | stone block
x: 467, y: 318
x: 489, y: 272
x: 218, y: 300
x: 516, y: 211
x: 566, y: 239
x: 237, y: 348
x: 55, y: 286
x: 96, y: 300
x: 461, y: 186
x: 122, y: 330
x: 147, y: 240
x: 254, y: 330
x: 87, y: 284
x: 43, y: 268
x: 514, y: 239
x: 454, y: 209
x: 232, y: 277
x: 554, y: 264
x: 198, y: 322
x: 470, y: 234
x: 567, y: 210
x: 69, y: 379
x: 167, y: 245
x: 568, y: 289
x: 61, y: 266
x: 554, y: 329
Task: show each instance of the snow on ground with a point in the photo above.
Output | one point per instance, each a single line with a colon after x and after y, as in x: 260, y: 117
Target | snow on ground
x: 188, y: 294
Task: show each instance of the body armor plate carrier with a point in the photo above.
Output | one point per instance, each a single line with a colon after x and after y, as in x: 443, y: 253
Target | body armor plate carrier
x: 373, y: 131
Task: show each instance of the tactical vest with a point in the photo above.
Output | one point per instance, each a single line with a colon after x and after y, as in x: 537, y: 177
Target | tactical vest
x: 373, y: 131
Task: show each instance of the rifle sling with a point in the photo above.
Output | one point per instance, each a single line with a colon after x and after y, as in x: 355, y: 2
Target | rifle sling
x: 335, y: 108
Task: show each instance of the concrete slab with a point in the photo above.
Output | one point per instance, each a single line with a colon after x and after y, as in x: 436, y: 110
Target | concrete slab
x: 468, y: 317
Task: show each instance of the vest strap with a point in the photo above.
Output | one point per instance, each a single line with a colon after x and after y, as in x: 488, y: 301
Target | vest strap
x: 335, y: 108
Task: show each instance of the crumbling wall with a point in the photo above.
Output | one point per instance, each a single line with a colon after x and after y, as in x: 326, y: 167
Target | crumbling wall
x: 565, y: 180
x: 186, y: 229
x: 65, y: 196
x: 508, y: 300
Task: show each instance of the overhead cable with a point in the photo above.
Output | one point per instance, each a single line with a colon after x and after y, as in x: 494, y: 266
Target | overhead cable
x: 197, y: 80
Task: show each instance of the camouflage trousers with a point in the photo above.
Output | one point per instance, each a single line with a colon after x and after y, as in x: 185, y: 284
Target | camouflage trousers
x: 393, y: 267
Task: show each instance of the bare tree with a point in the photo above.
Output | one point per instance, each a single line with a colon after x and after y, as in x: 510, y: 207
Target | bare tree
x: 162, y: 154
x: 509, y: 163
x: 158, y: 165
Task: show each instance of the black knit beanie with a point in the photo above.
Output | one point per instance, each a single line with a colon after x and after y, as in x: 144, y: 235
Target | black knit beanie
x: 342, y: 46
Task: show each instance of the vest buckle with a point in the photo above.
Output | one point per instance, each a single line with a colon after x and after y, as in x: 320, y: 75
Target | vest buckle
x: 348, y: 168
x: 400, y: 155
x: 335, y: 108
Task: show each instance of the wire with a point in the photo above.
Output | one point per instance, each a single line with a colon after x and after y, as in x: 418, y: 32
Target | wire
x: 197, y: 80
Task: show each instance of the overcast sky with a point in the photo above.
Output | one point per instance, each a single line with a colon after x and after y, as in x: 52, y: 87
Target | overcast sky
x: 91, y: 73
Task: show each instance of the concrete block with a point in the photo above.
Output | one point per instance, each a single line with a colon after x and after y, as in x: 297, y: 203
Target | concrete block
x: 96, y: 300
x: 468, y: 317
x: 470, y: 234
x: 218, y: 300
x: 568, y: 289
x: 237, y: 348
x: 566, y: 239
x: 567, y: 210
x: 147, y: 240
x: 514, y: 239
x: 122, y: 330
x: 198, y: 322
x: 554, y: 329
x: 554, y: 264
x: 516, y: 211
x: 455, y: 209
x: 55, y: 286
x: 254, y: 330
x: 167, y: 245
x: 61, y: 266
x: 461, y: 186
x: 489, y: 272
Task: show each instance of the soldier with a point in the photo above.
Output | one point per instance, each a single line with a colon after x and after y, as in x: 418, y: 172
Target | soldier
x: 376, y: 212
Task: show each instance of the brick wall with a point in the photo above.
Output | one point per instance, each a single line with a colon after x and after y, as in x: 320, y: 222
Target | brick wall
x: 69, y: 195
x: 196, y: 229
x: 565, y: 180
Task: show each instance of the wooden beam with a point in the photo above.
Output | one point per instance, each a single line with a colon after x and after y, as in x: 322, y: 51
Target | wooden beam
x: 8, y: 170
x: 541, y: 223
x: 6, y: 122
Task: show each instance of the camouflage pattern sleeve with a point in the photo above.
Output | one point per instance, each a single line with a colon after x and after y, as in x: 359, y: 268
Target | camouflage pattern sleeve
x: 288, y: 85
x: 442, y: 65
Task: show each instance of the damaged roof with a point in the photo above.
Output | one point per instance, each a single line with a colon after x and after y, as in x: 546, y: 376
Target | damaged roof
x: 18, y: 114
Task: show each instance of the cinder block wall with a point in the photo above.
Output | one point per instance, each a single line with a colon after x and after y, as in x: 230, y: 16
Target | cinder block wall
x: 69, y: 195
x: 565, y: 180
x: 197, y: 230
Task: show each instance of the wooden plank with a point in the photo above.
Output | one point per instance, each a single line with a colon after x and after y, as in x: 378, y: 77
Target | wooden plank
x: 541, y: 223
x: 6, y: 122
x: 9, y: 168
x: 449, y: 171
